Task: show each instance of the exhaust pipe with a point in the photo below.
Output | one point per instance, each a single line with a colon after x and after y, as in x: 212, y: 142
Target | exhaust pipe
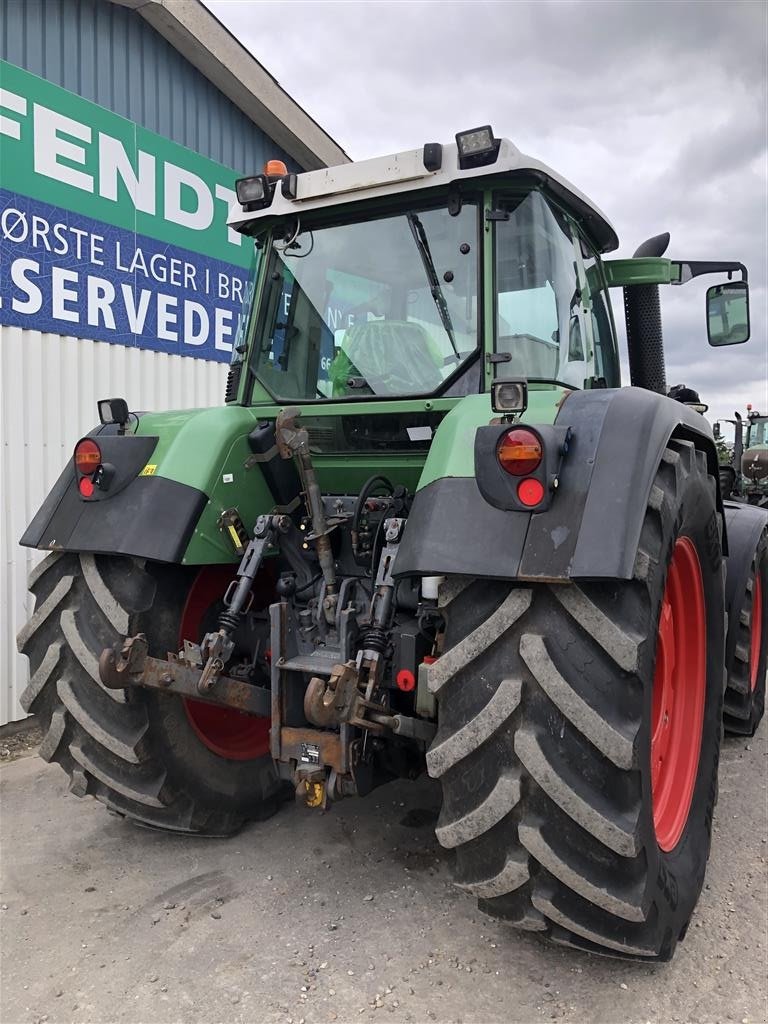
x: 642, y: 312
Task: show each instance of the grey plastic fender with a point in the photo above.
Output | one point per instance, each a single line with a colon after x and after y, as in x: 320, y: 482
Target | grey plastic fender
x: 592, y: 528
x: 619, y: 436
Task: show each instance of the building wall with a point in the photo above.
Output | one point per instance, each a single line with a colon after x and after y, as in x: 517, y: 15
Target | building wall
x: 48, y: 395
x: 49, y: 382
x: 108, y: 54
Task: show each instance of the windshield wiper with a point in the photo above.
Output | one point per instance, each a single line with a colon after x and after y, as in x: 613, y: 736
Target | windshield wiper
x: 420, y: 238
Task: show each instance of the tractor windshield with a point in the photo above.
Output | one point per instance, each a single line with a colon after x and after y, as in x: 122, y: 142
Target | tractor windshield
x: 386, y: 306
x: 758, y: 432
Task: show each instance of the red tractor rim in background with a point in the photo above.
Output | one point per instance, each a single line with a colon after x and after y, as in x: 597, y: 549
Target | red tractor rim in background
x: 756, y: 628
x: 679, y: 689
x: 226, y: 732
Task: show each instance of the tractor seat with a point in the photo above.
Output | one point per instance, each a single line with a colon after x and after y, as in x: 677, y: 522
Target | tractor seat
x: 386, y: 357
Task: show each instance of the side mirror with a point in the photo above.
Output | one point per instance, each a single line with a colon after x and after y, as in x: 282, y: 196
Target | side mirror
x: 728, y: 313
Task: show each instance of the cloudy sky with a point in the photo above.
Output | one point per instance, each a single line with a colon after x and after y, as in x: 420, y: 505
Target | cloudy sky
x: 657, y: 110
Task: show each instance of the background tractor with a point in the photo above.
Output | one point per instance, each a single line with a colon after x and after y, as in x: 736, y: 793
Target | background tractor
x: 428, y: 529
x: 744, y: 468
x: 754, y: 460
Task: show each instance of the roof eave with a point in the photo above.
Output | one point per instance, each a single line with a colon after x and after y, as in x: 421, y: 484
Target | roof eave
x: 201, y: 38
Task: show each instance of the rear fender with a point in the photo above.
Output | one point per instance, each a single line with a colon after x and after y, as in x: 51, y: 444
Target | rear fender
x: 619, y: 436
x: 592, y: 527
x: 173, y: 480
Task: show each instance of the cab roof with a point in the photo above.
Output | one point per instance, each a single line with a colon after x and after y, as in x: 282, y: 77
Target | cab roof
x: 405, y: 172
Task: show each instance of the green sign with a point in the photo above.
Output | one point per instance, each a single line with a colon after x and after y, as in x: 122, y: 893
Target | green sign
x: 70, y: 153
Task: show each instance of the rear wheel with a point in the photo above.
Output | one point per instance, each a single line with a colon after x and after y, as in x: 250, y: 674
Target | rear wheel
x: 144, y: 754
x: 746, y: 672
x: 579, y: 734
x: 224, y: 731
x: 727, y: 476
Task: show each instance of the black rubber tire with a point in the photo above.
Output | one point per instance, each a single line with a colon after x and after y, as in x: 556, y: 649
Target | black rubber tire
x: 133, y: 750
x: 543, y: 745
x: 727, y: 476
x: 743, y: 707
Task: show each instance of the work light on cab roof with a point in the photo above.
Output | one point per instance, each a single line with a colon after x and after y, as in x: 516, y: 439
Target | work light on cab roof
x: 256, y: 192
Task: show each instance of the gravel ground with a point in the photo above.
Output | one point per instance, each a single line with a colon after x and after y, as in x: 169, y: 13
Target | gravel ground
x: 16, y: 742
x: 348, y: 916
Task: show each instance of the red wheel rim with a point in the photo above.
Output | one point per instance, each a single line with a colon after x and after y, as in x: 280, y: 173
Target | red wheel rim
x: 228, y: 733
x: 679, y: 688
x: 755, y: 629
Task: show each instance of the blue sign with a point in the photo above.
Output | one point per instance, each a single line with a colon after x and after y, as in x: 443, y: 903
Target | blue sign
x: 64, y: 273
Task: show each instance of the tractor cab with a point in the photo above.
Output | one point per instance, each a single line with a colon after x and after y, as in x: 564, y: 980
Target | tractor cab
x: 427, y: 274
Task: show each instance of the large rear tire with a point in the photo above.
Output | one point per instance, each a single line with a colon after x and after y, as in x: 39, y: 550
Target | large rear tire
x: 746, y: 673
x: 136, y: 751
x: 578, y: 793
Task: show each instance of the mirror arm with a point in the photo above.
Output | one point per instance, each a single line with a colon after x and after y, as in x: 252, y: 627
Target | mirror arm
x: 686, y: 270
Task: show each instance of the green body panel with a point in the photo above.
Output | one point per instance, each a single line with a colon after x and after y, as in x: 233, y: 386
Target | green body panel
x: 489, y: 295
x: 202, y: 448
x: 208, y: 449
x: 452, y: 452
x: 193, y: 442
x: 648, y: 270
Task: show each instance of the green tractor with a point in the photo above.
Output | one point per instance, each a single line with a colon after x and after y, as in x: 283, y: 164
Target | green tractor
x: 754, y: 460
x: 729, y: 456
x: 428, y: 530
x: 744, y: 468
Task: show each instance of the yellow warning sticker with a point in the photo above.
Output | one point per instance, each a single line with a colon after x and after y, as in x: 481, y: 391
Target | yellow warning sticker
x: 149, y: 470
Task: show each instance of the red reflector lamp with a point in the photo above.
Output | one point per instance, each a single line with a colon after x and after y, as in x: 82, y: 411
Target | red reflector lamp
x: 87, y: 457
x: 530, y: 492
x: 519, y: 451
x: 275, y: 169
x: 85, y: 486
x: 406, y: 680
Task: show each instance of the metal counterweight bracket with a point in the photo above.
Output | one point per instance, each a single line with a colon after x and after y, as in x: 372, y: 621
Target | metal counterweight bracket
x: 128, y: 664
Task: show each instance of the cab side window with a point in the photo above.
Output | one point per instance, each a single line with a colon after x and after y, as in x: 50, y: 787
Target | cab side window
x: 606, y: 352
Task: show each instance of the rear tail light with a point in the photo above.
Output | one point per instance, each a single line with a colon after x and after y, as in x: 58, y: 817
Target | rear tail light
x: 519, y: 451
x: 87, y: 457
x: 530, y: 491
x: 517, y: 467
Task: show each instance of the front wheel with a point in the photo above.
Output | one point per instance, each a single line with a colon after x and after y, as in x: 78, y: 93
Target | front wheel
x: 579, y: 734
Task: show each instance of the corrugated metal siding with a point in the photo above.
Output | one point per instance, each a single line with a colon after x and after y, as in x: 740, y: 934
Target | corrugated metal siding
x: 49, y: 384
x: 48, y: 391
x: 108, y: 54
